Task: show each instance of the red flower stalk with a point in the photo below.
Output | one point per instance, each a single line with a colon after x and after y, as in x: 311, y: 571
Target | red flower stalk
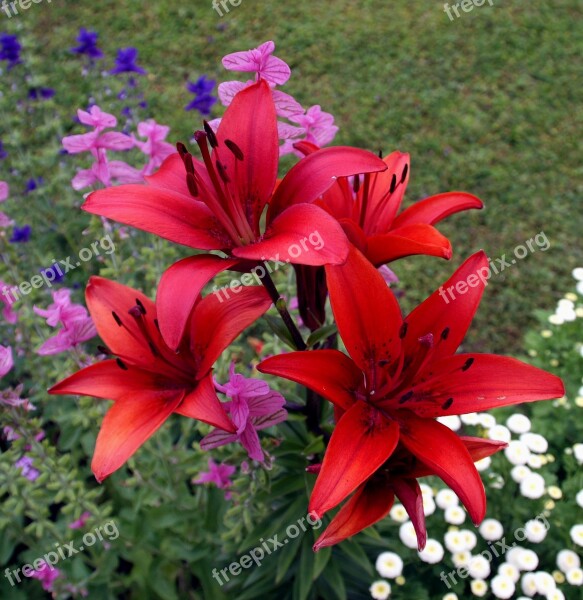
x: 400, y: 376
x: 149, y: 381
x: 217, y: 203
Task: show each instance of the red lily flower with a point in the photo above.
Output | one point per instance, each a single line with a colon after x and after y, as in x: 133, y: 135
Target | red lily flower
x: 148, y: 381
x: 401, y: 374
x: 217, y: 203
x: 373, y: 499
x: 368, y: 214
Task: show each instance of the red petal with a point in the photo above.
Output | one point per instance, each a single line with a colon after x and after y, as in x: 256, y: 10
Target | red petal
x: 105, y: 297
x: 407, y: 241
x: 409, y: 493
x: 361, y: 442
x: 446, y: 319
x: 434, y: 209
x: 203, y: 404
x: 466, y: 383
x: 107, y: 380
x: 366, y: 311
x: 480, y: 448
x: 166, y: 213
x: 329, y: 373
x: 178, y: 290
x: 127, y: 425
x: 251, y: 123
x: 443, y: 452
x: 171, y: 175
x: 217, y: 321
x: 314, y: 174
x: 370, y: 503
x: 303, y: 234
x: 382, y: 205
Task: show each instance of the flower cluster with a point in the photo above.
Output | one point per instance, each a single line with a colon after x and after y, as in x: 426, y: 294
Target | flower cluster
x: 399, y: 376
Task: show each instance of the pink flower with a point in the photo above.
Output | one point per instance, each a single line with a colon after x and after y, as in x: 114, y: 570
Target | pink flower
x: 8, y: 300
x: 388, y: 275
x: 253, y: 406
x: 77, y: 325
x: 316, y: 126
x: 5, y: 220
x: 4, y: 191
x: 80, y: 522
x: 46, y: 575
x: 6, y: 360
x: 261, y: 62
x: 154, y: 147
x: 96, y: 118
x: 26, y: 468
x: 220, y: 475
x: 12, y: 397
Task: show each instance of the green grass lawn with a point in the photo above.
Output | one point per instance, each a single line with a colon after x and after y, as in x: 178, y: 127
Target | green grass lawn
x: 486, y: 103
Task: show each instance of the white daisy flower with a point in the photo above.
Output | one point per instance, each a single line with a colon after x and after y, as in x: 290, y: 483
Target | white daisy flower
x: 577, y: 534
x: 461, y: 559
x: 470, y: 419
x: 535, y: 461
x: 518, y: 423
x: 479, y: 567
x: 432, y: 553
x: 446, y: 498
x: 499, y: 433
x: 536, y: 532
x: 519, y: 472
x: 528, y: 584
x: 556, y: 594
x: 527, y: 560
x: 398, y: 513
x: 455, y: 515
x: 454, y: 541
x: 491, y: 529
x: 380, y: 590
x: 567, y: 560
x: 502, y: 586
x: 389, y: 565
x: 483, y: 463
x: 535, y: 442
x: 517, y: 452
x: 407, y: 535
x: 479, y: 587
x: 486, y: 420
x: 451, y: 421
x: 578, y: 273
x: 512, y: 555
x: 532, y: 486
x: 544, y: 582
x: 450, y: 596
x: 575, y: 576
x: 428, y: 505
x: 579, y: 498
x: 509, y: 570
x: 578, y: 449
x: 469, y: 538
x: 554, y: 492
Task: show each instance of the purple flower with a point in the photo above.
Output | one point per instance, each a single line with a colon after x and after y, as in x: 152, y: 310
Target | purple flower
x: 12, y: 397
x: 253, y: 406
x: 3, y: 153
x: 126, y: 62
x: 6, y: 360
x: 25, y: 465
x: 40, y: 93
x: 203, y: 100
x: 21, y: 235
x: 10, y: 49
x: 55, y: 271
x: 46, y: 575
x: 80, y: 522
x: 88, y: 44
x: 220, y: 475
x: 32, y: 184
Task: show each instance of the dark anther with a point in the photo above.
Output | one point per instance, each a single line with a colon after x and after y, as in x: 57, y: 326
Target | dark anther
x: 210, y: 134
x: 403, y: 330
x: 199, y: 136
x: 356, y: 184
x: 116, y: 319
x: 142, y: 308
x: 157, y: 324
x: 181, y: 149
x: 191, y: 184
x: 121, y: 364
x: 406, y: 397
x: 447, y: 403
x: 103, y: 349
x: 445, y: 333
x: 468, y: 364
x: 380, y: 153
x: 393, y: 184
x: 135, y: 312
x: 222, y: 172
x: 404, y: 175
x: 234, y: 149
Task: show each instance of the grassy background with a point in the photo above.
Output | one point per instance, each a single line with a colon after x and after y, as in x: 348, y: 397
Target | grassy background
x: 486, y: 103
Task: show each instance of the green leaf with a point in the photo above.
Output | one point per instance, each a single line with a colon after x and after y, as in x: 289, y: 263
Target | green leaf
x: 305, y: 575
x: 321, y: 334
x: 334, y: 579
x: 280, y: 330
x: 354, y: 551
x: 321, y: 560
x: 286, y: 557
